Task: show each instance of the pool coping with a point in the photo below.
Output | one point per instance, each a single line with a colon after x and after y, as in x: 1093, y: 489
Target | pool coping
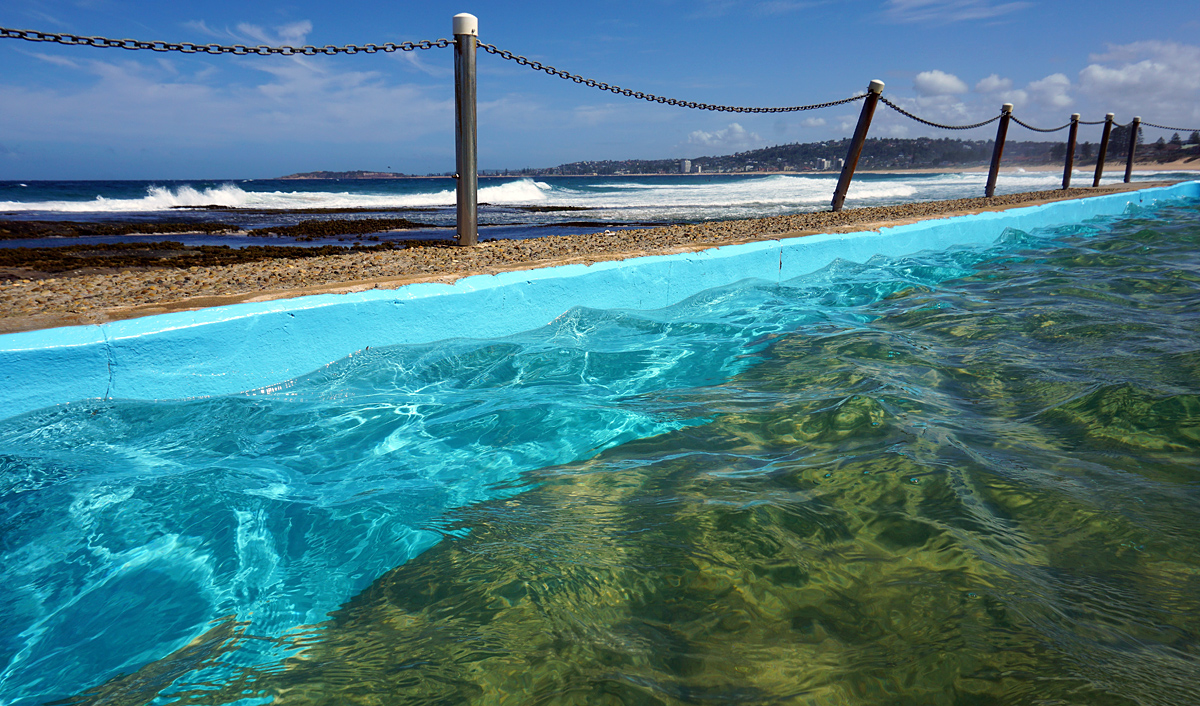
x: 251, y: 345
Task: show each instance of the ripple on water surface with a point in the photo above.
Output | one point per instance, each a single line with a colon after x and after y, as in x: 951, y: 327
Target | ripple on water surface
x: 966, y: 477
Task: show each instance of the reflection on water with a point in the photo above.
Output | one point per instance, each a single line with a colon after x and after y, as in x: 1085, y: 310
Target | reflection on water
x: 982, y: 490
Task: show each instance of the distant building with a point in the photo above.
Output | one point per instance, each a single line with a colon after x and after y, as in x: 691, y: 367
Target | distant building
x: 685, y: 167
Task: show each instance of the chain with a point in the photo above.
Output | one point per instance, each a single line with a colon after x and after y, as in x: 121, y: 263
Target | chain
x: 930, y: 123
x: 30, y: 35
x: 236, y: 49
x: 1173, y: 129
x: 1039, y: 129
x: 539, y: 66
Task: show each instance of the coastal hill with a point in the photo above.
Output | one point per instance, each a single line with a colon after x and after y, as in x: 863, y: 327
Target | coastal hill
x: 878, y: 154
x: 346, y: 175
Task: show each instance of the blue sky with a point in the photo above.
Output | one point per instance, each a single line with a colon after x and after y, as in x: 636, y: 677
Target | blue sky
x: 85, y: 113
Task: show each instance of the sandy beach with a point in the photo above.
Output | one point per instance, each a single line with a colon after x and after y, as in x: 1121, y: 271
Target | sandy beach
x: 35, y: 301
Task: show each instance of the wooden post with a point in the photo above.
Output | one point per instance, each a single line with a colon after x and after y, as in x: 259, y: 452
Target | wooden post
x: 1133, y: 135
x: 998, y: 151
x: 1070, y: 163
x: 466, y: 38
x: 1103, y: 149
x: 874, y: 90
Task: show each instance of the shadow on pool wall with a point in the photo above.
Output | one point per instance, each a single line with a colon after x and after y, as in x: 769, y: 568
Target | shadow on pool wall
x: 243, y: 347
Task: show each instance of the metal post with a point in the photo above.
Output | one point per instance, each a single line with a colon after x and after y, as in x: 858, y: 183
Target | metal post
x: 1103, y: 149
x: 1133, y: 135
x: 998, y: 150
x: 466, y: 37
x: 874, y: 90
x: 1070, y: 163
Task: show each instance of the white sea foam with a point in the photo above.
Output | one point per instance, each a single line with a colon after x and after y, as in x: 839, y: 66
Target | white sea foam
x: 620, y: 199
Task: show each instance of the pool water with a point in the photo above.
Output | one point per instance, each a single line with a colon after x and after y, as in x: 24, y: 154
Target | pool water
x: 963, y: 477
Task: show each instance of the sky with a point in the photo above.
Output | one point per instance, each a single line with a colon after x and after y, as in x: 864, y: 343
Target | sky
x: 87, y: 113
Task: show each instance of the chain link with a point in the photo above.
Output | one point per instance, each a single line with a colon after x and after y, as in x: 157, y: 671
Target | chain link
x: 1039, y: 129
x: 329, y: 49
x: 235, y: 49
x: 930, y: 123
x: 1173, y: 129
x: 539, y: 66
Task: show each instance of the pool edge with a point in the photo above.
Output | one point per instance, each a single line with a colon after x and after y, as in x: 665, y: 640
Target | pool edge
x: 241, y: 347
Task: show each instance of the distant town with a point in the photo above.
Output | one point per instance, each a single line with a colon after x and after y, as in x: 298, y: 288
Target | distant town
x: 878, y: 154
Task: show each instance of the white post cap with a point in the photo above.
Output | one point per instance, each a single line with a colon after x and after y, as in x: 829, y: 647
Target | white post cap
x: 1109, y: 116
x: 466, y: 23
x: 1074, y: 116
x: 875, y: 86
x: 1006, y: 108
x: 1137, y: 118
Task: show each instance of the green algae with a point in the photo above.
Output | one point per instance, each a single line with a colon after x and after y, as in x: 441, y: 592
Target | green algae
x: 985, y: 494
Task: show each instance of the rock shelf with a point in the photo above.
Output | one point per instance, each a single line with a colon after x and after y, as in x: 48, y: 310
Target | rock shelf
x: 32, y: 299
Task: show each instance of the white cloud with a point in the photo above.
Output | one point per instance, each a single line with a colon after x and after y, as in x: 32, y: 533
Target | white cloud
x: 301, y: 99
x: 994, y: 84
x: 735, y: 138
x: 1156, y: 80
x: 1051, y: 91
x: 813, y: 122
x: 1001, y: 90
x: 938, y: 83
x: 946, y: 11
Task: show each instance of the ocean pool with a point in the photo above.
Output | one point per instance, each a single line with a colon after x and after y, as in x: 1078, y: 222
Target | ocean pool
x: 966, y: 475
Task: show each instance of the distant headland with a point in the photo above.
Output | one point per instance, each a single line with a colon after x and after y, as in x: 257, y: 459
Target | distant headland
x: 346, y: 175
x: 879, y: 154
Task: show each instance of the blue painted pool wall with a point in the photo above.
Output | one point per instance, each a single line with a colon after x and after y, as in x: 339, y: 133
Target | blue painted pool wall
x: 246, y: 346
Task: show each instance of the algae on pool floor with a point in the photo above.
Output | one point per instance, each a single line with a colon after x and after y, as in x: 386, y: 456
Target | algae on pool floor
x: 984, y: 492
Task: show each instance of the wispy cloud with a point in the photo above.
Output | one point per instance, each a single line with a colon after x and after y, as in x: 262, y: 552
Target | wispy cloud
x: 947, y: 11
x: 1154, y: 79
x: 246, y: 33
x: 734, y: 138
x: 708, y: 9
x: 784, y: 7
x: 413, y: 60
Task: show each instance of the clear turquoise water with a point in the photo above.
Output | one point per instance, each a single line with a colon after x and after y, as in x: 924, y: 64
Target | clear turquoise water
x: 967, y: 477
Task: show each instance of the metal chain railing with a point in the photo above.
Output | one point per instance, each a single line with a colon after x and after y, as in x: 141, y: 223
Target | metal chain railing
x: 1173, y: 129
x: 466, y: 26
x: 539, y: 66
x: 235, y: 49
x: 329, y: 49
x: 930, y: 123
x: 1027, y: 126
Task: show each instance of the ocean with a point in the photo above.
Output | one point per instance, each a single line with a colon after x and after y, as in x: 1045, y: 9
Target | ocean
x: 509, y: 207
